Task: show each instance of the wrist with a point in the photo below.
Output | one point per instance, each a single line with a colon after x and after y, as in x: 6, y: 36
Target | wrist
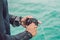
x: 29, y: 34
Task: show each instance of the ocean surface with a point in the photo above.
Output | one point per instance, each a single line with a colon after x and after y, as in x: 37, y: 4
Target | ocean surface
x: 47, y: 11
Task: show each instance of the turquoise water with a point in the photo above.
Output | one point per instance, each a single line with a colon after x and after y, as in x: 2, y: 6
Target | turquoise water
x: 47, y: 11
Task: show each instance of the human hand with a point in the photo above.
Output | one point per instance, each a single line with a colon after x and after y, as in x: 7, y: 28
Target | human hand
x: 32, y: 28
x: 24, y: 19
x: 28, y: 20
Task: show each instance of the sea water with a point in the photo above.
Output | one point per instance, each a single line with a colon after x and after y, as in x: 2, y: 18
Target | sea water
x: 47, y: 11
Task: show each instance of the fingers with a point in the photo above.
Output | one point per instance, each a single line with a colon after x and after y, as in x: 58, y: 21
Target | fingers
x: 39, y: 22
x: 32, y: 29
x: 23, y: 19
x: 32, y: 25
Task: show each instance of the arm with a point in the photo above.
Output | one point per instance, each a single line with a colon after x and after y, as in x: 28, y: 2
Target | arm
x: 22, y: 36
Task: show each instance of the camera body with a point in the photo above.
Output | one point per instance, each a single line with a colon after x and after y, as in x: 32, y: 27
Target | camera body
x: 31, y: 20
x: 27, y: 22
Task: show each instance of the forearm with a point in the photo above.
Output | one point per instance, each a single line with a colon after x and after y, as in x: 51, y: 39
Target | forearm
x: 22, y: 36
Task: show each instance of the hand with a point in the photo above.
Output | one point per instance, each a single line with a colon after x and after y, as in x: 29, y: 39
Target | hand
x: 24, y: 19
x: 32, y: 28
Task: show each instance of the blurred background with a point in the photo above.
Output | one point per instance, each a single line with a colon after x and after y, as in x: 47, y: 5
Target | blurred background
x: 47, y: 11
